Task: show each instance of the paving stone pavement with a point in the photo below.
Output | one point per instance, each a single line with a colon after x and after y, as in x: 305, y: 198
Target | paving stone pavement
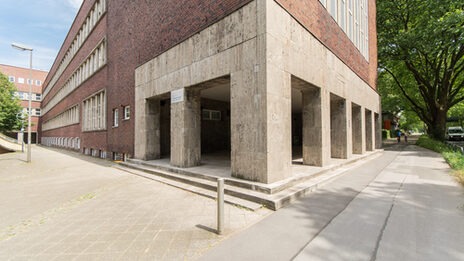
x: 66, y: 206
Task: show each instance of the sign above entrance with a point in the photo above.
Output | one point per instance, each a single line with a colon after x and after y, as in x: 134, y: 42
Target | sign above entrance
x: 177, y: 96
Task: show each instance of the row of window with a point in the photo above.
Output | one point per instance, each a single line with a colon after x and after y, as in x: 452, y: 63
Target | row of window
x: 93, y: 63
x: 21, y: 80
x: 66, y: 118
x: 75, y: 144
x: 352, y: 16
x: 35, y: 111
x: 94, y: 117
x: 64, y: 142
x: 91, y: 20
x: 126, y: 115
x: 25, y: 96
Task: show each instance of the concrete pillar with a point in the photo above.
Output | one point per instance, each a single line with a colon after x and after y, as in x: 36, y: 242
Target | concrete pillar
x: 338, y: 128
x: 147, y: 134
x: 369, y: 131
x: 357, y: 129
x: 316, y: 127
x: 186, y: 129
x: 378, y: 131
x: 261, y: 124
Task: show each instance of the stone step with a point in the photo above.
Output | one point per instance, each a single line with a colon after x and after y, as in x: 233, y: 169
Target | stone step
x: 205, y: 189
x: 238, y: 195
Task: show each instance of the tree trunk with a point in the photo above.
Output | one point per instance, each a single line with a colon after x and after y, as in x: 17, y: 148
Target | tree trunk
x: 437, y: 128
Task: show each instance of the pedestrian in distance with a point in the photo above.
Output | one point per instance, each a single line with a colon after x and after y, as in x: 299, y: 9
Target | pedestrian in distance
x: 398, y: 135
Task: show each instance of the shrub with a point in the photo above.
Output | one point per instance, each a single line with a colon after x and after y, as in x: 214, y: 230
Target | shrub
x: 454, y: 157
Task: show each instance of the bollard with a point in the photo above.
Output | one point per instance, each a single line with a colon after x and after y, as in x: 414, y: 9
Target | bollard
x: 220, y: 202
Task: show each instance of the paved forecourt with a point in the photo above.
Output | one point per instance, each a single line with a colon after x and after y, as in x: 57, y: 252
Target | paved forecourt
x: 66, y: 206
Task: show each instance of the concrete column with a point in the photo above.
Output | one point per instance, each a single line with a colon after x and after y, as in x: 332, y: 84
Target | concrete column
x: 357, y: 129
x: 338, y: 129
x: 378, y: 131
x: 316, y: 127
x: 369, y: 131
x: 147, y: 134
x: 186, y: 130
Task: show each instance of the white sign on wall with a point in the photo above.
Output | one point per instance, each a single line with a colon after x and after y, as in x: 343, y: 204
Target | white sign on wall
x: 177, y: 96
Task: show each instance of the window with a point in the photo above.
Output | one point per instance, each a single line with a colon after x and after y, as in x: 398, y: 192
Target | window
x: 20, y: 95
x: 66, y: 118
x: 29, y: 81
x: 11, y: 78
x: 115, y: 118
x: 211, y: 115
x: 38, y: 82
x: 127, y: 112
x: 38, y: 96
x: 334, y: 9
x: 20, y: 80
x: 37, y: 112
x: 342, y: 16
x: 94, y: 112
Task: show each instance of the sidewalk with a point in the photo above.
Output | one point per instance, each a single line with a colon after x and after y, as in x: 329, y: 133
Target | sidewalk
x: 66, y: 206
x: 401, y: 206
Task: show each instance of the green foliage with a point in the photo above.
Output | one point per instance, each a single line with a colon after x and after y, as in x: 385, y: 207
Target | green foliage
x: 386, y: 134
x: 421, y: 57
x: 9, y: 105
x: 454, y: 157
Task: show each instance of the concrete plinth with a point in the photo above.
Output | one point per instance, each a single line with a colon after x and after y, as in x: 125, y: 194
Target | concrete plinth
x: 186, y: 130
x: 316, y: 128
x: 338, y: 128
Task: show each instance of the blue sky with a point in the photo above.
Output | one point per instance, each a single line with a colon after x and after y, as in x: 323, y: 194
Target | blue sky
x: 40, y: 24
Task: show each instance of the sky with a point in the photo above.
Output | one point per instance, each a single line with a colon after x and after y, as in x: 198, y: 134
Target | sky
x: 39, y: 24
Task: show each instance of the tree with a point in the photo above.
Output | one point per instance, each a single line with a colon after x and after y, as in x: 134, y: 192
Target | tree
x: 9, y: 105
x: 421, y: 48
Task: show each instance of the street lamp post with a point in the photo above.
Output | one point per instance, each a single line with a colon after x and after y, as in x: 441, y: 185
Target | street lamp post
x: 24, y: 48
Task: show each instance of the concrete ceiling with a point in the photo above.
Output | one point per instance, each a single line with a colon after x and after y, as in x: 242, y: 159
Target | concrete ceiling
x: 219, y: 92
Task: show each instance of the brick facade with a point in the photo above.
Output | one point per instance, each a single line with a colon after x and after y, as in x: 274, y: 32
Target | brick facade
x: 315, y: 18
x: 136, y: 31
x: 18, y: 72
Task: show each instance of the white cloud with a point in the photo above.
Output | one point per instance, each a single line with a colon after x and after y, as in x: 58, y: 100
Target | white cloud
x: 75, y: 3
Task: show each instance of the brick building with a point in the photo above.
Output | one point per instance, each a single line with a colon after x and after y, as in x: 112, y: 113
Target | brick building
x: 259, y: 82
x: 20, y: 77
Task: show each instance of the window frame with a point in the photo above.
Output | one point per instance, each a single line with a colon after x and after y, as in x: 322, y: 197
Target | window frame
x: 126, y: 113
x: 11, y: 77
x: 115, y: 118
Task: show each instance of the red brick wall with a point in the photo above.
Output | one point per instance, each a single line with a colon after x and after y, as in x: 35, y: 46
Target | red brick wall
x: 97, y: 82
x: 312, y: 15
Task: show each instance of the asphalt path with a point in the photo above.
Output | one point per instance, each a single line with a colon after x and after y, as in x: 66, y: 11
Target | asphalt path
x: 403, y: 205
